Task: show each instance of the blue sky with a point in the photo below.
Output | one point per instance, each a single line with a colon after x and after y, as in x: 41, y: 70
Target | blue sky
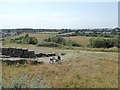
x: 58, y: 14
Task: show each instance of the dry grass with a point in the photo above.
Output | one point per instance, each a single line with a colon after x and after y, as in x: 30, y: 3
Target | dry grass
x: 83, y: 40
x: 82, y: 69
x: 41, y: 36
x: 88, y: 70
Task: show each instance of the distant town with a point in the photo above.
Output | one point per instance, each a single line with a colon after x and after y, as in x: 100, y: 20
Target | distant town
x: 107, y: 32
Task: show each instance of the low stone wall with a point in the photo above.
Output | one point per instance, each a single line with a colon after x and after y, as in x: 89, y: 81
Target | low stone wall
x: 23, y: 53
x: 14, y: 52
x: 45, y: 55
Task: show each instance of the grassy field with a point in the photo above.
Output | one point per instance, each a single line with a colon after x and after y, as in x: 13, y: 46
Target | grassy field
x: 83, y: 40
x: 79, y: 69
x: 41, y: 36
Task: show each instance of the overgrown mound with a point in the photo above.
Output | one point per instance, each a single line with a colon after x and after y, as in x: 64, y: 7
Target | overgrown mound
x: 25, y: 40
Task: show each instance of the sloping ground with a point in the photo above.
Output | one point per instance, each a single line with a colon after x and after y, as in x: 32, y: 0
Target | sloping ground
x: 82, y: 69
x: 40, y: 36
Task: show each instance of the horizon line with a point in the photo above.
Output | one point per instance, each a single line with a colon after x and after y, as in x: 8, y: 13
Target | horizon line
x: 64, y: 28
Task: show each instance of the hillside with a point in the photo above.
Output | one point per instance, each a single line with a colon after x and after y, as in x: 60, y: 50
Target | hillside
x: 81, y: 67
x: 78, y: 69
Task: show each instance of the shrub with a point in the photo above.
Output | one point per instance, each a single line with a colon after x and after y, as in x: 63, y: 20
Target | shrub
x: 76, y: 44
x: 116, y: 41
x: 19, y: 38
x: 101, y: 42
x: 25, y: 40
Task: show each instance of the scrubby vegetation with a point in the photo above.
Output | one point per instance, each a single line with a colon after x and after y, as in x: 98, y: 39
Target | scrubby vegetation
x: 101, y: 42
x: 62, y: 41
x: 25, y: 40
x: 81, y: 67
x: 71, y: 42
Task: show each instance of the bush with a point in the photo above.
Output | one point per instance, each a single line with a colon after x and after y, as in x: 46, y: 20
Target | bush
x: 116, y: 41
x: 76, y: 44
x: 25, y: 40
x: 19, y: 38
x: 101, y: 42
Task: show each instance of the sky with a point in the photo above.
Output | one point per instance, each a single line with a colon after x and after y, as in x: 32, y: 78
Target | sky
x: 72, y: 15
